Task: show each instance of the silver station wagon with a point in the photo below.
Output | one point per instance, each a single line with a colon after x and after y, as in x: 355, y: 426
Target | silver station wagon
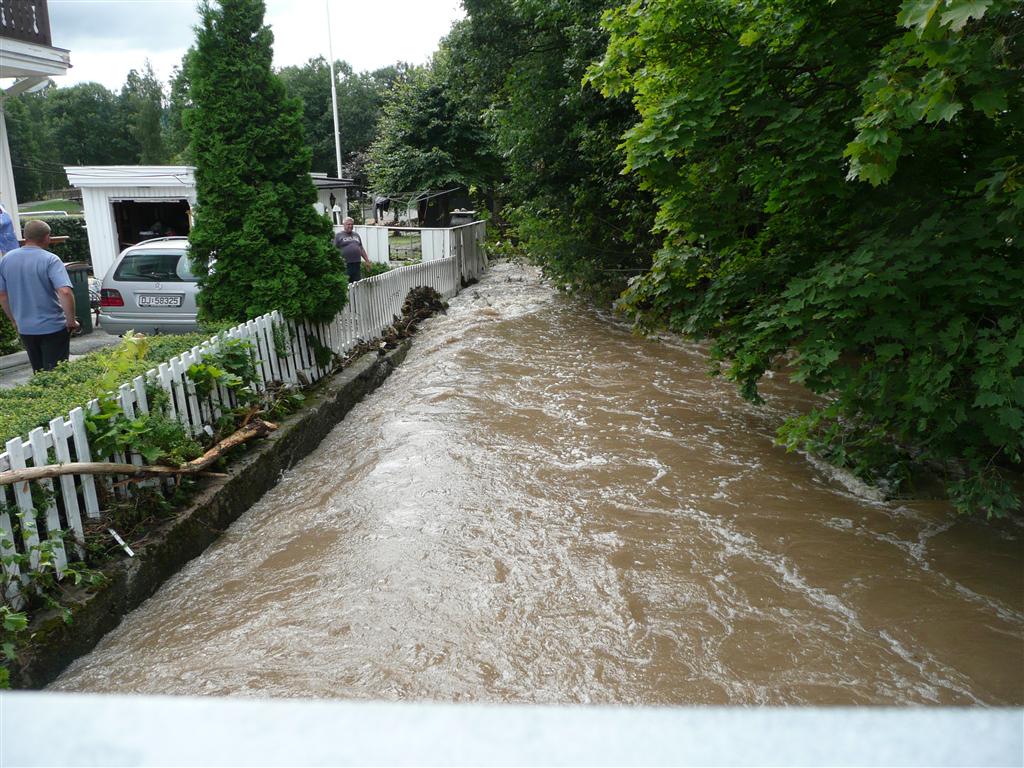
x: 150, y: 288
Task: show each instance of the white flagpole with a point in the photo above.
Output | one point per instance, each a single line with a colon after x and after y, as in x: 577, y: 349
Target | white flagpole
x: 334, y: 89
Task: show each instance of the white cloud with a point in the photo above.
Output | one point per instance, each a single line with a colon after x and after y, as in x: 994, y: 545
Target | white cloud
x: 107, y: 38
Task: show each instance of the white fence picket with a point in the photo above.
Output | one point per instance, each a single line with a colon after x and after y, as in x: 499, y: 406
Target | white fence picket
x: 83, y: 453
x: 69, y: 495
x: 38, y: 444
x: 23, y: 500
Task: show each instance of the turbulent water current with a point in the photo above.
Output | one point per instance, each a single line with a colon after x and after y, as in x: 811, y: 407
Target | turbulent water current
x: 538, y: 506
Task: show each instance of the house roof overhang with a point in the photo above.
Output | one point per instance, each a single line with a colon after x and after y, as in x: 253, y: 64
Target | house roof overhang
x: 20, y: 59
x: 83, y: 176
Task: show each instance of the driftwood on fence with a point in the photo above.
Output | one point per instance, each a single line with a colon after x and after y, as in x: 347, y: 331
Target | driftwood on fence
x: 255, y: 428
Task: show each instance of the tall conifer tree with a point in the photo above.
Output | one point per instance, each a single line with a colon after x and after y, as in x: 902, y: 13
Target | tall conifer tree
x: 255, y: 212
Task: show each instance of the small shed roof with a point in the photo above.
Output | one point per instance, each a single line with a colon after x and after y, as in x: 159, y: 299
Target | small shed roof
x: 323, y: 181
x: 131, y: 176
x: 161, y: 176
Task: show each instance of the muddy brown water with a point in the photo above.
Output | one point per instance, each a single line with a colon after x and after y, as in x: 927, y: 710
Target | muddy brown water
x: 540, y: 507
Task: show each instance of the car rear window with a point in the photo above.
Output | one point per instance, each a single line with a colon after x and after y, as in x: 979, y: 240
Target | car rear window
x: 155, y: 267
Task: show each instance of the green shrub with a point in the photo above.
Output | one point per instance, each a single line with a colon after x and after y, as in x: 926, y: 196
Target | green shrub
x: 53, y: 393
x: 256, y: 215
x: 9, y: 341
x: 374, y: 270
x: 77, y: 246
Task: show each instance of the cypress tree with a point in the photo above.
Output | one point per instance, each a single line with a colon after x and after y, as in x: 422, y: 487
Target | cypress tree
x: 255, y: 212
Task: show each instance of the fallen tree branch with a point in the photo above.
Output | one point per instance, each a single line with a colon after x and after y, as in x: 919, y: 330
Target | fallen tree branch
x: 255, y: 428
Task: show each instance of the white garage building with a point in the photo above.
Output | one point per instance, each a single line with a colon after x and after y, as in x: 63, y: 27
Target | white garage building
x: 128, y: 203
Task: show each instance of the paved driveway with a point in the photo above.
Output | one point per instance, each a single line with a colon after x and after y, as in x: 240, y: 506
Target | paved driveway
x: 15, y: 369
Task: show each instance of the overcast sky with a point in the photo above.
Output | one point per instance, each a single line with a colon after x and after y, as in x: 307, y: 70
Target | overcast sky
x: 107, y: 38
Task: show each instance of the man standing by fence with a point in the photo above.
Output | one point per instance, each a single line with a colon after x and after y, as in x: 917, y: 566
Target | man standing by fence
x: 351, y: 247
x: 36, y: 296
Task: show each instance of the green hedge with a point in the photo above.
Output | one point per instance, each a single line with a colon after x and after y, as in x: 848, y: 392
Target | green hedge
x: 54, y: 393
x: 9, y: 341
x: 372, y: 271
x: 77, y: 246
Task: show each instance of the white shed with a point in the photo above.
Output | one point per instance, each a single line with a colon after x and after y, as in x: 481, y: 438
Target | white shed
x: 125, y: 204
x: 128, y: 203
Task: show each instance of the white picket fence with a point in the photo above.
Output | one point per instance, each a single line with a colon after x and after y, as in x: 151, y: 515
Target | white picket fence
x: 372, y: 306
x: 435, y: 242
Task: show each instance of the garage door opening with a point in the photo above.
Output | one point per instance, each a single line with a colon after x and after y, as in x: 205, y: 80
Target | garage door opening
x: 137, y: 221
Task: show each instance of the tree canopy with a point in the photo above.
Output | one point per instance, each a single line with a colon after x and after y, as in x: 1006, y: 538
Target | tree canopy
x: 838, y: 190
x: 361, y: 97
x: 429, y: 137
x: 521, y: 63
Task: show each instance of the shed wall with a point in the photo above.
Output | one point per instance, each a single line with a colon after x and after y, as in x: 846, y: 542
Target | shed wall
x: 99, y: 216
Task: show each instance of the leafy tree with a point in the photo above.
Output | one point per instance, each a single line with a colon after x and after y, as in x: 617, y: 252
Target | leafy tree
x: 429, y: 138
x: 33, y: 157
x: 85, y: 122
x: 522, y: 62
x: 176, y: 135
x: 142, y: 107
x: 255, y: 212
x: 360, y: 98
x: 838, y: 189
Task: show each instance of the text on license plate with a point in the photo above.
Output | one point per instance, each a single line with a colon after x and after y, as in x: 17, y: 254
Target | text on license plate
x: 150, y: 300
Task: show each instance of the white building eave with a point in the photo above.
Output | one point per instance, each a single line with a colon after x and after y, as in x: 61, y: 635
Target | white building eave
x: 131, y: 176
x: 19, y: 59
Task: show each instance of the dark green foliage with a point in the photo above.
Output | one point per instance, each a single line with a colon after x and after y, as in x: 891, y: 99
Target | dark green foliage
x: 255, y: 214
x: 431, y: 136
x: 76, y: 247
x: 176, y: 135
x: 87, y: 123
x: 142, y: 104
x: 576, y: 214
x: 9, y: 341
x: 360, y: 98
x: 84, y: 124
x: 842, y: 186
x: 34, y: 156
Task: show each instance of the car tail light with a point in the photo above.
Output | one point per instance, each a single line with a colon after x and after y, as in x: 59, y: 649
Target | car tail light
x: 111, y: 298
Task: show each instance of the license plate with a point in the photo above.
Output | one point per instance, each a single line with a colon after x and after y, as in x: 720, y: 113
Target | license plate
x: 161, y: 300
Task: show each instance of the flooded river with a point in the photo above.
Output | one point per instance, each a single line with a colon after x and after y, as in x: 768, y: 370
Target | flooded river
x: 539, y: 507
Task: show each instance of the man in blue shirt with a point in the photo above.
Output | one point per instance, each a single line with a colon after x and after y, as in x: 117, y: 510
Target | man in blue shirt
x: 36, y: 296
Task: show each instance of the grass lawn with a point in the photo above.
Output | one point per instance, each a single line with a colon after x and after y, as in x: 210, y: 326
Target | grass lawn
x: 71, y: 206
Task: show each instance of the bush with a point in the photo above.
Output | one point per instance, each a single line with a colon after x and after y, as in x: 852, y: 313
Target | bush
x: 372, y: 271
x: 49, y: 394
x: 9, y: 341
x: 77, y: 246
x: 256, y: 215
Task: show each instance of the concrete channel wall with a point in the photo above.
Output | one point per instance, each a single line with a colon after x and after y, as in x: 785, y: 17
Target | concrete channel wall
x: 190, y: 532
